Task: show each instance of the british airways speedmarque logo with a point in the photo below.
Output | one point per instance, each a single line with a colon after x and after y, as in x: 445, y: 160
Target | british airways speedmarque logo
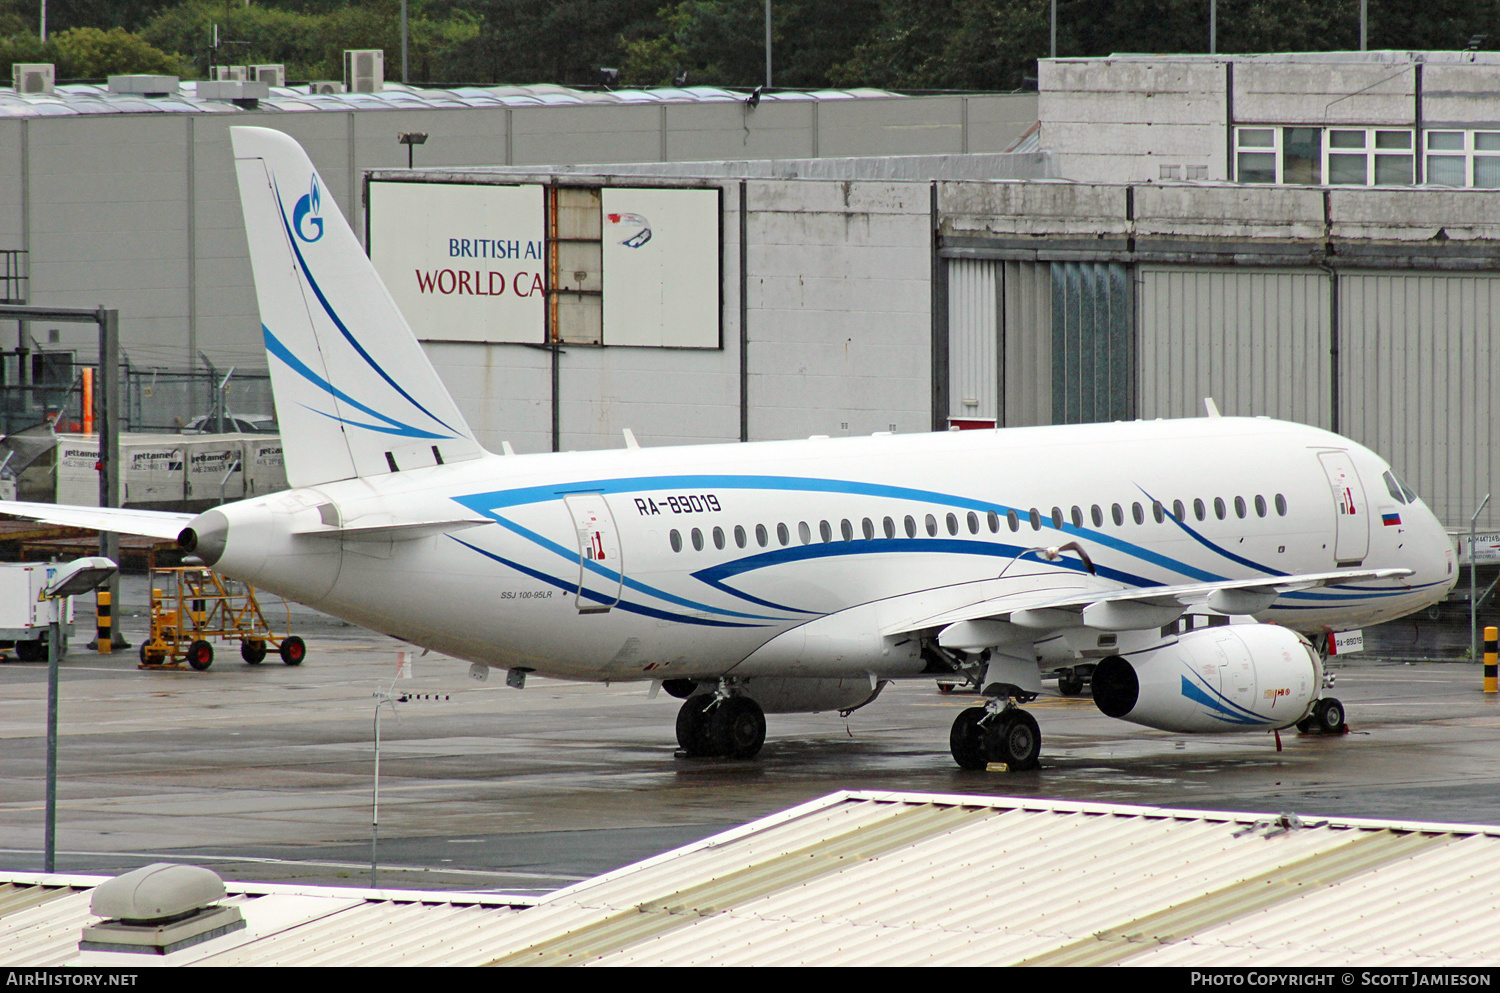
x: 312, y: 204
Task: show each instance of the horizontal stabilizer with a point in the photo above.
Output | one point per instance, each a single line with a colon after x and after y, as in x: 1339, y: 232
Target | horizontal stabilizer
x: 148, y: 523
x: 387, y: 531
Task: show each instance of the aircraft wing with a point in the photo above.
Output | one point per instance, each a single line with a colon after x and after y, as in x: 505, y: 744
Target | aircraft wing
x: 150, y: 523
x: 1088, y: 603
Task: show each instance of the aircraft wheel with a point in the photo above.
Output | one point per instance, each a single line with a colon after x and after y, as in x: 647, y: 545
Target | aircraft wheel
x: 1069, y: 684
x: 1329, y: 715
x: 1015, y: 740
x: 253, y: 651
x: 1307, y: 725
x: 737, y: 728
x: 964, y: 740
x: 293, y: 650
x: 200, y: 655
x: 692, y: 726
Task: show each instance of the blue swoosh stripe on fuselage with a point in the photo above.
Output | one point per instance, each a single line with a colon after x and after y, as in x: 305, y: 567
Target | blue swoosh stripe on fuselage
x: 338, y: 322
x: 572, y: 555
x: 625, y: 605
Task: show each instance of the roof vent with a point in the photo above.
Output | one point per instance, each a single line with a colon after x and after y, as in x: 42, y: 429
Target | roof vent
x: 33, y: 77
x: 245, y: 93
x: 144, y: 86
x: 159, y: 909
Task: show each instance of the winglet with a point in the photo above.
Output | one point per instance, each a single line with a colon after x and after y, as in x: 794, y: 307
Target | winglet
x: 1210, y: 408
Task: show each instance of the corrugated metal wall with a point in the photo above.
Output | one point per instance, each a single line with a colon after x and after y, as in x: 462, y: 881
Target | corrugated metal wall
x: 1093, y: 342
x: 974, y: 290
x: 1019, y: 348
x: 1028, y: 343
x: 1419, y: 368
x: 1256, y: 341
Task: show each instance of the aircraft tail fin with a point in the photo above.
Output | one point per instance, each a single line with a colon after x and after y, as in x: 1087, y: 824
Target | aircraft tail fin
x: 355, y: 393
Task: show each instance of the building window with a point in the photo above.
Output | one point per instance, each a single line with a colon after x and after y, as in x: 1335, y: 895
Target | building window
x: 1313, y: 156
x: 1463, y: 158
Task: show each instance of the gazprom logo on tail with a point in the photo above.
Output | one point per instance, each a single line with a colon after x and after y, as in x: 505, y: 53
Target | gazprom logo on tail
x: 310, y: 204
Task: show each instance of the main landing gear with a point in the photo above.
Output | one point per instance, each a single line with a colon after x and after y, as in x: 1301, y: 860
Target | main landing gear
x: 718, y: 725
x: 996, y: 732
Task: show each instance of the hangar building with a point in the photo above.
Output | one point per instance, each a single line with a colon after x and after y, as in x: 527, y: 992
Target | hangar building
x: 1310, y: 237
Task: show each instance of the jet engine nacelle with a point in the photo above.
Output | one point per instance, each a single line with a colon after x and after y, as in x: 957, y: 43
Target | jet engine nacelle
x: 1236, y: 677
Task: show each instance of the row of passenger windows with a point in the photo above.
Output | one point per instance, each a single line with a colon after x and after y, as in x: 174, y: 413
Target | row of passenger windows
x: 972, y: 521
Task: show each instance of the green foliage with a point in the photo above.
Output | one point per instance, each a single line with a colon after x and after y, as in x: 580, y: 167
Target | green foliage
x: 89, y: 53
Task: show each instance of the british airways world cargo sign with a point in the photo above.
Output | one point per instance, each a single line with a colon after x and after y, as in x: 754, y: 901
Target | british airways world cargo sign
x: 464, y: 263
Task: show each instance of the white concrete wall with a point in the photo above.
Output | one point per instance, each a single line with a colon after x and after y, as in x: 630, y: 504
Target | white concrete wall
x: 840, y: 308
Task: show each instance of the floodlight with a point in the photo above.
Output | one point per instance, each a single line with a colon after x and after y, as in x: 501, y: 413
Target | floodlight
x: 80, y: 576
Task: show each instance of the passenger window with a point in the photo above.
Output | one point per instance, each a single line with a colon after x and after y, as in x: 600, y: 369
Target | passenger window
x: 1117, y: 514
x: 825, y: 531
x: 675, y: 537
x: 1137, y: 513
x: 782, y: 535
x: 739, y: 536
x: 1057, y: 518
x: 1178, y: 510
x: 952, y: 523
x: 1220, y: 510
x: 1260, y: 505
x: 911, y: 527
x: 1239, y: 507
x: 890, y: 527
x: 868, y: 527
x: 931, y: 526
x: 761, y: 538
x: 719, y: 538
x: 804, y: 532
x: 973, y: 522
x: 1013, y: 520
x: 1097, y: 515
x: 846, y: 529
x: 994, y: 522
x: 1198, y: 510
x: 1280, y: 505
x: 1158, y: 511
x: 1077, y: 516
x: 1036, y: 519
x: 697, y: 540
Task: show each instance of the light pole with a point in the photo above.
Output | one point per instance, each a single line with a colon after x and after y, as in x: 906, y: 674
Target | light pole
x: 410, y: 138
x: 76, y: 578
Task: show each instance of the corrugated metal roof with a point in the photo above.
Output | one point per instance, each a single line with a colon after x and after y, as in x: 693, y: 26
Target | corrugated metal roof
x: 84, y: 98
x: 902, y: 879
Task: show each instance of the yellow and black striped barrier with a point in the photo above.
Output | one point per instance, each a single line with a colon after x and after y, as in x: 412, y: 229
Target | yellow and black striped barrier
x: 106, y: 622
x: 1491, y: 635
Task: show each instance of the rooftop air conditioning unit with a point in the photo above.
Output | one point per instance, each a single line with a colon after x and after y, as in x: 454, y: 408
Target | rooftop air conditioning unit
x: 225, y: 74
x: 364, y: 70
x: 34, y: 77
x: 325, y: 86
x: 270, y: 75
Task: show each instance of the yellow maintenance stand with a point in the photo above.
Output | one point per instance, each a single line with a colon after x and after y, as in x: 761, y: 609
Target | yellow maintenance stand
x: 191, y: 605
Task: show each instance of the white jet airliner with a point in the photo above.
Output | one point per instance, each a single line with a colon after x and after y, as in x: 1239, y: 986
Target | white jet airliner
x: 1177, y: 564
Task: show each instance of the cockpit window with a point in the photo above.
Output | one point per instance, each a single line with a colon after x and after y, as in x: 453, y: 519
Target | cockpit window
x: 1411, y: 494
x: 1392, y: 487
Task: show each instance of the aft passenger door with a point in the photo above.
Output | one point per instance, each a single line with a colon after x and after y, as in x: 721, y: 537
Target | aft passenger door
x: 1352, y: 513
x: 601, y: 568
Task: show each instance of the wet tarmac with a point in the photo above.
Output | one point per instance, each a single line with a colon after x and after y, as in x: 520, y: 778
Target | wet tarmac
x: 265, y: 772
